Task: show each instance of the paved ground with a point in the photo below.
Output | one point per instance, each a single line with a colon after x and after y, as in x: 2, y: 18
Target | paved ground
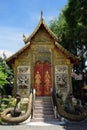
x: 46, y: 126
x: 32, y: 128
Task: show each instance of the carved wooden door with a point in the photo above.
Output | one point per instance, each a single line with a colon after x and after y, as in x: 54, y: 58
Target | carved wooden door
x: 42, y: 78
x: 47, y: 79
x: 38, y: 78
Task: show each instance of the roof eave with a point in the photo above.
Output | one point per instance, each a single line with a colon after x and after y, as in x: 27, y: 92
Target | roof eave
x: 74, y: 59
x: 15, y: 55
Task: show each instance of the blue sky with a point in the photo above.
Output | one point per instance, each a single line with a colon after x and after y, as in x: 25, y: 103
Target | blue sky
x: 18, y: 17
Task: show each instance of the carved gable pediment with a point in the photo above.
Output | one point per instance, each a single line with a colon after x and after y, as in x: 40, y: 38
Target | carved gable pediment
x: 42, y: 36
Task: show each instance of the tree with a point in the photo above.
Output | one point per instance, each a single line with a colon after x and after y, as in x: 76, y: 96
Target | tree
x: 76, y: 19
x: 71, y: 26
x: 6, y: 77
x: 3, y: 80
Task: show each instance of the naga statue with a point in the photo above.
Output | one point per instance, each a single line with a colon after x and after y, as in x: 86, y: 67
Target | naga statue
x: 16, y: 111
x: 16, y: 115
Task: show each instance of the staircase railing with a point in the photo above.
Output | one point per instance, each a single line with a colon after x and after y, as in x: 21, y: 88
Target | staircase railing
x: 33, y: 101
x: 54, y: 104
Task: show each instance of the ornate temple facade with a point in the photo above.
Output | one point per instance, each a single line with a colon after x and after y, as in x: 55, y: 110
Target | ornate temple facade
x: 42, y: 64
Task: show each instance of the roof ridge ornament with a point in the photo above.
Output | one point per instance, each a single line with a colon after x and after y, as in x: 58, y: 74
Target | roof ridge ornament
x: 41, y: 14
x: 4, y: 56
x: 24, y: 37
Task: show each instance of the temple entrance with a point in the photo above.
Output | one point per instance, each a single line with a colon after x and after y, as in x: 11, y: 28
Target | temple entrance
x: 42, y: 78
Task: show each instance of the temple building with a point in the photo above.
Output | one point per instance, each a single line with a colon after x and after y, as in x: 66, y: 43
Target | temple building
x: 42, y: 64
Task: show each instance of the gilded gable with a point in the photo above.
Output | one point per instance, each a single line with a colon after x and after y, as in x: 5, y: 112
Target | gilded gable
x: 42, y: 36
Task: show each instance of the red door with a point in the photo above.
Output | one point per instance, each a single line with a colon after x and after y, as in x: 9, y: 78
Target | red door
x: 47, y: 79
x: 42, y: 78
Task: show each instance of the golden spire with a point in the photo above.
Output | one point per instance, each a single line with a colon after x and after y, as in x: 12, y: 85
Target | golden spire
x: 41, y: 14
x: 4, y: 56
x: 24, y: 38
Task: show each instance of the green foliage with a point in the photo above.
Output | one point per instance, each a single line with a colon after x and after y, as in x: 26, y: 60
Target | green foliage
x: 2, y: 77
x: 58, y: 25
x: 76, y: 19
x: 7, y: 102
x: 6, y: 76
x: 71, y: 27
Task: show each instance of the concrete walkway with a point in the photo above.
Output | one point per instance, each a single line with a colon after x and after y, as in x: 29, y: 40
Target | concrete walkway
x: 35, y: 126
x: 25, y: 127
x: 46, y: 126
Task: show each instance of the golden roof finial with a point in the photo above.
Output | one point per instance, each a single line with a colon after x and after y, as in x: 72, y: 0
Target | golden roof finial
x: 41, y: 14
x: 24, y: 38
x: 4, y: 56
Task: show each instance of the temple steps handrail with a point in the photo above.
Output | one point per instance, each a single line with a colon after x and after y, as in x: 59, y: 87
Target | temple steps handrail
x: 33, y: 101
x: 69, y: 116
x: 53, y: 105
x: 16, y: 120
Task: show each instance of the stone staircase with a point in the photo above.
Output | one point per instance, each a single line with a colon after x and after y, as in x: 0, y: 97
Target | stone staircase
x: 43, y: 110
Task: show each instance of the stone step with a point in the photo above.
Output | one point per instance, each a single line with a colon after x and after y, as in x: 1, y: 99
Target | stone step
x: 43, y: 99
x: 43, y: 116
x: 43, y: 109
x: 43, y: 112
x: 45, y: 102
x: 43, y: 106
x: 44, y: 120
